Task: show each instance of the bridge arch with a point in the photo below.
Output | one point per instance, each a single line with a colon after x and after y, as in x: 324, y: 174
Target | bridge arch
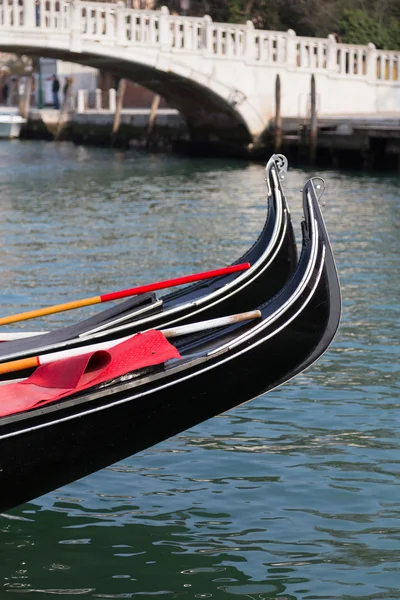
x: 209, y: 116
x: 220, y: 76
x: 213, y: 110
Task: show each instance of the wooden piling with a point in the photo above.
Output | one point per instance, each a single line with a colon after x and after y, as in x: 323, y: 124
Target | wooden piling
x: 25, y: 100
x: 65, y: 108
x: 313, y: 123
x: 152, y: 118
x: 118, y: 108
x: 278, y: 116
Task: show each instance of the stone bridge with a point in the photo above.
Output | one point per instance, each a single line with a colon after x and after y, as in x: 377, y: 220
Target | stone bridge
x: 220, y: 76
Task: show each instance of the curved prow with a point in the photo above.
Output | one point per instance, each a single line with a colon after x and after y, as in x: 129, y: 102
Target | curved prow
x: 330, y: 290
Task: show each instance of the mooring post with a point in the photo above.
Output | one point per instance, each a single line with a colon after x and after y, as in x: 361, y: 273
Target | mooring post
x: 278, y: 116
x: 65, y: 109
x: 313, y: 123
x: 25, y: 100
x: 152, y: 118
x: 118, y: 108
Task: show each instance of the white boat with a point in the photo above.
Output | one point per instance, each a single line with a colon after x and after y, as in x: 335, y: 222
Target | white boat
x: 10, y: 125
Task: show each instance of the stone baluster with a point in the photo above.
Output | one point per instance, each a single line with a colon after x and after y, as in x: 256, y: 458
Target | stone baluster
x: 229, y: 50
x: 176, y: 33
x: 8, y: 20
x: 371, y: 62
x: 65, y: 15
x: 52, y: 19
x: 271, y: 43
x: 164, y: 29
x: 379, y: 68
x: 303, y: 55
x: 311, y: 54
x: 351, y: 61
x: 278, y: 49
x: 11, y: 12
x: 281, y: 45
x: 96, y: 25
x: 7, y: 16
x: 196, y: 36
x: 250, y: 41
x: 142, y: 29
x: 385, y: 58
x: 260, y: 46
x: 360, y: 62
x: 152, y: 30
x: 271, y: 52
x: 13, y: 20
x: 218, y: 41
x: 133, y: 27
x: 391, y: 67
x: 257, y: 45
x: 42, y: 13
x: 342, y: 60
x: 15, y: 10
x: 237, y: 48
x: 239, y: 43
x: 57, y: 15
x: 111, y: 18
x: 186, y: 35
x: 320, y: 53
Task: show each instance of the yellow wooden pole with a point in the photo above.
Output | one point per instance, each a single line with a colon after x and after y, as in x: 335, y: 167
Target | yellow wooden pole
x: 49, y: 310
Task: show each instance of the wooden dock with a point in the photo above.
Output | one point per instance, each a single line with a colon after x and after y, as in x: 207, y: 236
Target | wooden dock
x: 360, y: 142
x: 368, y: 141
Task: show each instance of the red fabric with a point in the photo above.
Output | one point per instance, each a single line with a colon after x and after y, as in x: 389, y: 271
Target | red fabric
x: 64, y: 377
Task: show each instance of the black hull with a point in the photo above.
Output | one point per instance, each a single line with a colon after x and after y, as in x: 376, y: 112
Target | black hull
x: 269, y: 273
x: 49, y: 447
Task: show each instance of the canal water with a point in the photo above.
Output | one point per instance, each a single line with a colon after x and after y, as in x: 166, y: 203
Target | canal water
x: 295, y: 495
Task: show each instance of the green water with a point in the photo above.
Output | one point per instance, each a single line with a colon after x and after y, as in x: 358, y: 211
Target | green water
x: 295, y: 495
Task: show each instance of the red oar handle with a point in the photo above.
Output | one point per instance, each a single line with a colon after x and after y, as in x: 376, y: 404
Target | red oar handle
x: 151, y: 287
x: 51, y: 310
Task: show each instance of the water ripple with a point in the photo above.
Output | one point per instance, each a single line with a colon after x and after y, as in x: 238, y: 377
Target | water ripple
x: 294, y: 495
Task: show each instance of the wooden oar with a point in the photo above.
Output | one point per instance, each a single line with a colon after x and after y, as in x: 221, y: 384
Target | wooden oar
x: 37, y: 361
x: 151, y: 287
x: 10, y: 336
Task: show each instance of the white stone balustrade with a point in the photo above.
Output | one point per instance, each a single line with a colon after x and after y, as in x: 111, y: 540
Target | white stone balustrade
x: 231, y: 61
x: 129, y: 27
x: 95, y: 100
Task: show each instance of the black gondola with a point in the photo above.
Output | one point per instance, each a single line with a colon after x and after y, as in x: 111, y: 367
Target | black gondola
x: 47, y: 447
x: 272, y: 258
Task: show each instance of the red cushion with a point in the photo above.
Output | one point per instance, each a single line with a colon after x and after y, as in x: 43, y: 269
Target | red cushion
x: 65, y: 377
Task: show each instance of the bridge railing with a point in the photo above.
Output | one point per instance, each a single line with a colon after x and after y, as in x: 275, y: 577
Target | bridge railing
x: 116, y: 24
x: 97, y: 20
x: 388, y: 66
x: 138, y: 26
x: 11, y: 13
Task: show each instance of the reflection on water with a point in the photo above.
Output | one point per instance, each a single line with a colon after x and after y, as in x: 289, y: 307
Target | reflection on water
x: 294, y: 495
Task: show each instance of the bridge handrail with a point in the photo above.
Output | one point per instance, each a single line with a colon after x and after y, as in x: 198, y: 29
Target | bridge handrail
x: 115, y: 23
